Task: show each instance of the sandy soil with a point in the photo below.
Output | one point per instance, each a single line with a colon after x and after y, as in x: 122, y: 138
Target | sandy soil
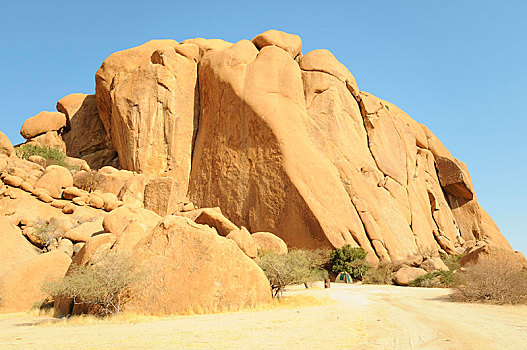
x: 358, y: 317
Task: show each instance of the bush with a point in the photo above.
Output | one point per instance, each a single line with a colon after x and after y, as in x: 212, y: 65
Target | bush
x: 53, y: 156
x: 351, y: 260
x: 499, y: 282
x: 434, y: 279
x: 105, y: 285
x: 380, y: 275
x: 295, y: 267
x: 452, y: 261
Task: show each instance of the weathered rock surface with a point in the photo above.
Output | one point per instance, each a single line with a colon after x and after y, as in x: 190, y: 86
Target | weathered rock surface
x: 21, y: 286
x: 214, y: 218
x: 267, y: 242
x: 407, y: 274
x: 42, y: 123
x: 245, y: 241
x: 280, y: 142
x: 6, y: 147
x: 85, y: 136
x: 227, y: 277
x: 14, y: 248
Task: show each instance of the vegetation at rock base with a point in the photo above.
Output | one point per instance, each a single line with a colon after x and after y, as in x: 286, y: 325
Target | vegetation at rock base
x: 295, y: 267
x: 499, y: 282
x: 351, y: 260
x: 383, y: 274
x: 53, y: 155
x: 104, y: 286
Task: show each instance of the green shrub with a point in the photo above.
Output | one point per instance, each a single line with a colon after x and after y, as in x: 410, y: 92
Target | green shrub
x: 351, y: 260
x: 452, y: 261
x: 295, y: 267
x: 434, y: 279
x: 53, y: 155
x: 105, y: 285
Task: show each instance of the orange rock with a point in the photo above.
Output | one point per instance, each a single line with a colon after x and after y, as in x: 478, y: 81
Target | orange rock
x: 14, y: 248
x: 21, y: 286
x: 55, y: 178
x: 407, y: 274
x: 214, y: 218
x: 244, y: 240
x: 42, y: 123
x: 266, y: 241
x: 5, y: 145
x: 291, y: 43
x: 85, y: 136
x: 490, y: 252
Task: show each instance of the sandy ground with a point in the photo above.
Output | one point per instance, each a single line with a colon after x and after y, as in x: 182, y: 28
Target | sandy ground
x: 353, y: 317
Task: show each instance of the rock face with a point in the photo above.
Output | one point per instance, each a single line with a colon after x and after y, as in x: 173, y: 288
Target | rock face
x: 190, y: 266
x: 21, y: 286
x: 85, y: 136
x: 6, y: 147
x: 282, y: 142
x: 151, y: 128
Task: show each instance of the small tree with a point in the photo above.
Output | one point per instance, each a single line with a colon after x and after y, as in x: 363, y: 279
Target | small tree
x: 106, y: 284
x: 295, y: 267
x: 351, y: 260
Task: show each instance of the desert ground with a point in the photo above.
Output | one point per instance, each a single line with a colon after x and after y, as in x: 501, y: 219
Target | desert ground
x: 346, y: 317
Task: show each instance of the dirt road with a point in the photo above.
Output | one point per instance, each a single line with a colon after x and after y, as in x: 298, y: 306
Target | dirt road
x: 358, y: 317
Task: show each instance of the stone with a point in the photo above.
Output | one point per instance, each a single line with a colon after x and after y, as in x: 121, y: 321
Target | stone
x: 206, y: 45
x: 493, y: 253
x: 12, y: 180
x: 414, y: 261
x: 21, y: 286
x: 117, y: 220
x: 95, y: 201
x: 6, y: 147
x: 188, y: 207
x: 66, y: 246
x: 406, y: 275
x: 454, y: 177
x: 228, y: 278
x: 27, y: 186
x: 85, y: 231
x: 433, y: 264
x: 57, y: 203
x: 55, y: 178
x: 50, y: 139
x: 244, y: 240
x: 86, y: 137
x: 72, y: 192
x: 14, y: 248
x: 161, y: 195
x: 214, y: 218
x: 111, y: 201
x: 291, y: 43
x: 268, y: 242
x: 68, y: 209
x: 43, y: 195
x: 38, y: 160
x: 42, y: 123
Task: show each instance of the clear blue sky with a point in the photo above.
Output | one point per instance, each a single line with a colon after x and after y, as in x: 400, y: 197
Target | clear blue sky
x: 460, y: 67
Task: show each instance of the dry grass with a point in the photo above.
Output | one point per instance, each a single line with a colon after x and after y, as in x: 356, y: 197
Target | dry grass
x: 499, y: 282
x: 287, y: 302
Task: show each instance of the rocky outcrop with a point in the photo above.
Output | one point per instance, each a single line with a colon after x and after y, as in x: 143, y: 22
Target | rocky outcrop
x: 84, y: 135
x: 6, y: 147
x: 211, y: 272
x: 282, y: 142
x: 493, y: 253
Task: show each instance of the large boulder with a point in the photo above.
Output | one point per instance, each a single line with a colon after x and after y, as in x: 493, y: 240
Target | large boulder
x: 454, y: 177
x: 85, y: 231
x: 21, y: 286
x: 42, y: 123
x: 245, y: 241
x: 161, y: 195
x: 14, y: 248
x: 267, y: 242
x: 291, y: 43
x: 214, y: 218
x: 54, y: 180
x: 406, y: 275
x: 5, y: 145
x: 117, y: 220
x: 191, y: 268
x: 85, y: 136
